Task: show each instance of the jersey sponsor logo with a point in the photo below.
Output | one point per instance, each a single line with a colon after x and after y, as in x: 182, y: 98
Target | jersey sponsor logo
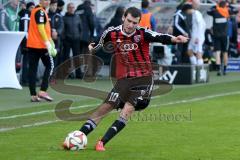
x: 137, y: 38
x: 128, y: 46
x: 41, y: 19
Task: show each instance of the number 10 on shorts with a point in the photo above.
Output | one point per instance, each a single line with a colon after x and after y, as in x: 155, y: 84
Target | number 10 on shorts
x: 113, y: 97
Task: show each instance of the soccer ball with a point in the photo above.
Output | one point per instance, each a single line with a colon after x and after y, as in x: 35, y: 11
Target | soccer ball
x: 75, y: 140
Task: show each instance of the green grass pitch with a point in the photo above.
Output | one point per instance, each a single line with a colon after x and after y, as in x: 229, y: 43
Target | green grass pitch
x: 197, y: 122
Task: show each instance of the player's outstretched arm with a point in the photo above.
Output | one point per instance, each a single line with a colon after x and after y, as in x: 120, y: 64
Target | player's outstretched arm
x: 180, y: 39
x: 152, y: 36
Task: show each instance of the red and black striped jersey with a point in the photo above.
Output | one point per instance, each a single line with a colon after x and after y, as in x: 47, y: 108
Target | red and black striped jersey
x: 131, y: 51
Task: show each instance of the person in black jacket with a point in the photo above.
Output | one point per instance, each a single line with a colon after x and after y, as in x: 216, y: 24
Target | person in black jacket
x: 24, y: 16
x: 87, y: 18
x: 71, y: 35
x: 56, y: 22
x: 182, y: 27
x: 221, y: 14
x: 86, y: 15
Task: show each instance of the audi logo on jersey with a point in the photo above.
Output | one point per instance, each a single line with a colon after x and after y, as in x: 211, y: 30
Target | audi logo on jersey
x: 128, y: 46
x: 123, y: 46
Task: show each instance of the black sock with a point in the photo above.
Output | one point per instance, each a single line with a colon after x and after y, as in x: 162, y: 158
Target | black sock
x: 218, y: 68
x: 225, y: 68
x: 116, y: 127
x: 88, y: 127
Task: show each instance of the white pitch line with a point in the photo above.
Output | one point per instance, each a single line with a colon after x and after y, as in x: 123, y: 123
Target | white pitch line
x: 42, y: 112
x: 166, y: 104
x: 198, y: 98
x: 29, y: 125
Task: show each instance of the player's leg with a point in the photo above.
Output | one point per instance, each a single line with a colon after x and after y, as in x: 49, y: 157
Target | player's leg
x: 217, y: 54
x: 117, y: 126
x: 112, y: 101
x: 49, y: 65
x: 192, y: 57
x: 96, y: 117
x: 199, y: 53
x: 218, y: 62
x: 138, y: 97
x: 32, y: 73
x: 225, y: 46
x: 225, y: 61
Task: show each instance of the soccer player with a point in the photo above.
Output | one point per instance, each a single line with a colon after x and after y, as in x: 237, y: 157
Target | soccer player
x: 134, y: 84
x: 195, y: 50
x: 41, y: 46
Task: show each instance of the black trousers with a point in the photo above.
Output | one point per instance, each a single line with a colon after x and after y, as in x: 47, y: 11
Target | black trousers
x: 69, y: 44
x: 24, y: 77
x: 34, y: 56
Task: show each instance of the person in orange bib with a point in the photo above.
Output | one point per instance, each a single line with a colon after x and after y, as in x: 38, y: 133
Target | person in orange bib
x: 147, y: 20
x: 41, y: 46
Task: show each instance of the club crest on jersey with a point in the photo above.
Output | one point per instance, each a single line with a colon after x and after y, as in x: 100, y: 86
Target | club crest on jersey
x: 137, y: 38
x: 41, y: 13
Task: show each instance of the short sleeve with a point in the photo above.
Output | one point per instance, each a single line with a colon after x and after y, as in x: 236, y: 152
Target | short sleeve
x: 40, y: 17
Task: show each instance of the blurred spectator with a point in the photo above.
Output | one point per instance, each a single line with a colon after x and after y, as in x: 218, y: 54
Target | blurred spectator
x: 56, y: 22
x: 71, y: 35
x: 117, y: 18
x: 232, y: 30
x: 98, y: 29
x: 221, y: 14
x: 86, y: 15
x: 181, y: 27
x: 60, y: 6
x: 87, y: 18
x: 195, y: 47
x: 147, y: 19
x: 8, y: 17
x: 24, y: 16
x: 238, y: 47
x: 208, y: 47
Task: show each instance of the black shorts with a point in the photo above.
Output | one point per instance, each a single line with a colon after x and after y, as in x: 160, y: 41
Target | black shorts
x: 136, y: 91
x: 221, y: 44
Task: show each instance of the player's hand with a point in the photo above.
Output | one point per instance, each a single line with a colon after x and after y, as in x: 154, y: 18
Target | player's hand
x: 91, y: 47
x: 180, y: 39
x: 51, y: 48
x: 54, y: 34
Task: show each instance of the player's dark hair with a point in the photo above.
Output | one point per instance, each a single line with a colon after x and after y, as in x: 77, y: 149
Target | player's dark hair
x: 222, y: 4
x: 135, y: 12
x: 145, y: 3
x: 186, y: 7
